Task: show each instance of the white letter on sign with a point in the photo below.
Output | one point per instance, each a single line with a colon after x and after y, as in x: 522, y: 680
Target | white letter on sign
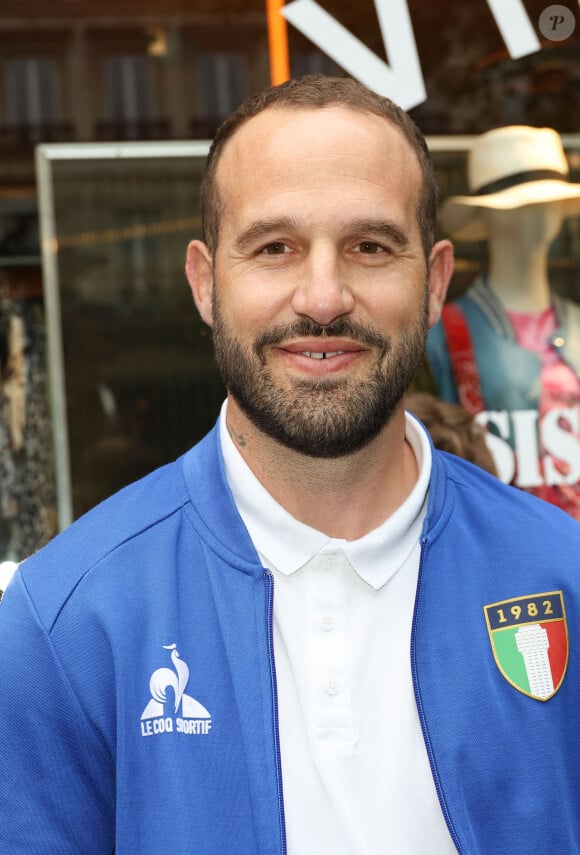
x: 515, y: 27
x: 402, y: 80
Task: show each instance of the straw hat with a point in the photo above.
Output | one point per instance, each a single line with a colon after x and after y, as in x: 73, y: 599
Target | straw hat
x: 507, y: 168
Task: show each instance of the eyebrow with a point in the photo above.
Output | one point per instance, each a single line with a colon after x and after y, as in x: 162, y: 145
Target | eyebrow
x: 266, y: 228
x: 263, y: 228
x: 386, y: 229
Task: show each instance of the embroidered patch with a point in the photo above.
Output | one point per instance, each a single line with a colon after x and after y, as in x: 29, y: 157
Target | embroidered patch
x: 529, y: 639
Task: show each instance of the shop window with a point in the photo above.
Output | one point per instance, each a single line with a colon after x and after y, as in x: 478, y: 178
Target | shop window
x: 133, y: 379
x: 450, y: 156
x: 28, y: 512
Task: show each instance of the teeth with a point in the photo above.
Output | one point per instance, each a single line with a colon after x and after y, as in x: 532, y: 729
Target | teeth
x: 316, y: 355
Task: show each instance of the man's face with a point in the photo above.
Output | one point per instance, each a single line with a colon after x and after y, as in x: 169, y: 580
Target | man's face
x: 319, y: 304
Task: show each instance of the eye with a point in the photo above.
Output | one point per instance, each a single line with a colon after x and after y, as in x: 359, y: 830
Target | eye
x: 274, y: 248
x: 369, y: 247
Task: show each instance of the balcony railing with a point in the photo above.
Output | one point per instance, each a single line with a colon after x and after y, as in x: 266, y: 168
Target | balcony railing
x: 142, y: 129
x: 16, y: 139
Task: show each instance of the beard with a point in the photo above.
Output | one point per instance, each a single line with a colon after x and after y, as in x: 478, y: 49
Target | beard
x: 329, y: 417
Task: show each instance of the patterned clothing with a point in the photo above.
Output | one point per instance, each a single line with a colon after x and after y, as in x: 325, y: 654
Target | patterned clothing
x: 559, y: 388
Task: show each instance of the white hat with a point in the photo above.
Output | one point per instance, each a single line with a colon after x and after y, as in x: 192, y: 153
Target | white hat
x: 507, y: 168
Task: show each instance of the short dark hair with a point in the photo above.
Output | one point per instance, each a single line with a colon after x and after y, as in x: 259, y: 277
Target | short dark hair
x: 308, y: 92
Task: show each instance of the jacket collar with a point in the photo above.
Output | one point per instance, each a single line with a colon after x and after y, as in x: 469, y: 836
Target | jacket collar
x: 287, y: 544
x: 213, y: 510
x: 214, y: 514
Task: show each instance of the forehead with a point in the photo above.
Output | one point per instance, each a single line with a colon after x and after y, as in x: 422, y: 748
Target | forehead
x: 315, y: 148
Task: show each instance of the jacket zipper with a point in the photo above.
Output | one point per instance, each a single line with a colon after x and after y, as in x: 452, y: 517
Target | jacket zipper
x: 270, y: 616
x: 442, y: 802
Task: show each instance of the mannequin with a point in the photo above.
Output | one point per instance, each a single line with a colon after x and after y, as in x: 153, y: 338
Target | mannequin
x: 509, y: 348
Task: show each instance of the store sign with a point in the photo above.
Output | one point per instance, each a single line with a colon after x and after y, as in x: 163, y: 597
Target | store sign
x: 401, y: 79
x: 534, y: 451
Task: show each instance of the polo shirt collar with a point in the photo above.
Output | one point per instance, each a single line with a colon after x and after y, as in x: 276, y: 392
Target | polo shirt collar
x: 286, y: 544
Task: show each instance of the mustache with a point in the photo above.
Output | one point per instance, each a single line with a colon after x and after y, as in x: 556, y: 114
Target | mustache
x: 307, y: 328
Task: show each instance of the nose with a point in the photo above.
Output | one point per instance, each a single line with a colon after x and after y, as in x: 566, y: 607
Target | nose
x: 323, y: 294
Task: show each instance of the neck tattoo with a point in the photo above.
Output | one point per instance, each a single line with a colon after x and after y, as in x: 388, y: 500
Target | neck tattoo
x: 238, y: 438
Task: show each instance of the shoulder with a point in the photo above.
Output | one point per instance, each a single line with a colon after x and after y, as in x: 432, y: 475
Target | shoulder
x: 482, y: 502
x: 115, y: 527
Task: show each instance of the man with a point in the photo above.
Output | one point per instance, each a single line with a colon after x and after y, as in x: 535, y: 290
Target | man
x: 303, y: 636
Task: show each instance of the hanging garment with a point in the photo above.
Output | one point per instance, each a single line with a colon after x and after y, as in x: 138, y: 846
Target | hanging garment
x: 28, y: 517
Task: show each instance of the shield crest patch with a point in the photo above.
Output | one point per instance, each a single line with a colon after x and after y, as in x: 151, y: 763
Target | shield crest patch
x: 529, y: 639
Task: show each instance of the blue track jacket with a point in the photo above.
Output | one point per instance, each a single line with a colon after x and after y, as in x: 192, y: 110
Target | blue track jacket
x: 138, y: 689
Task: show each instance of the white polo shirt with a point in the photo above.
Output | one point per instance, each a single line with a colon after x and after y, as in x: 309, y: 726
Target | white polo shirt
x: 355, y: 773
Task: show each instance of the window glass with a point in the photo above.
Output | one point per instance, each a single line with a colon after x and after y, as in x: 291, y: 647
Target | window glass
x: 471, y: 258
x: 222, y: 83
x: 130, y: 88
x: 139, y: 379
x: 32, y: 95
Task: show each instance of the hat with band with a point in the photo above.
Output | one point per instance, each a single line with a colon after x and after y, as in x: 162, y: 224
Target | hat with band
x: 508, y: 168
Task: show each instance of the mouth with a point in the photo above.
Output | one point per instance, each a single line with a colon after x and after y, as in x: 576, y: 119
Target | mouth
x: 323, y: 354
x: 315, y: 355
x: 322, y: 348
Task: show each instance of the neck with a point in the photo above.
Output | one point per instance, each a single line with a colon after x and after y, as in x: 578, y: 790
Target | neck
x: 343, y: 497
x: 520, y: 279
x: 518, y: 254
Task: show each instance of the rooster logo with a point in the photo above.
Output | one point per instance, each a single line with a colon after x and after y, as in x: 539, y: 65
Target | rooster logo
x: 165, y: 679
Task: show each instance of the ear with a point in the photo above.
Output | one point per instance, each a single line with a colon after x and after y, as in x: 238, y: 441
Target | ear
x: 199, y: 272
x: 438, y: 278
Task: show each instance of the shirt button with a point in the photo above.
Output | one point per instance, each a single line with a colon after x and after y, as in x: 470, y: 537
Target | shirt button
x: 327, y: 622
x: 331, y: 687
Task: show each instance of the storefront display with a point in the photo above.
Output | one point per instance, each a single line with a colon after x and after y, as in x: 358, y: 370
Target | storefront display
x: 509, y: 348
